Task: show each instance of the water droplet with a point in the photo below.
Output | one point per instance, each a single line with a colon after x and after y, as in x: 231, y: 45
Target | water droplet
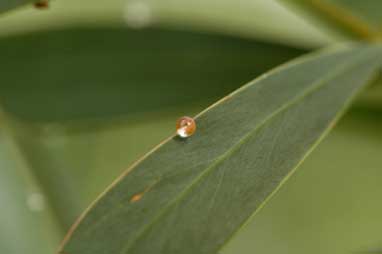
x: 185, y: 127
x: 138, y: 14
x: 36, y: 202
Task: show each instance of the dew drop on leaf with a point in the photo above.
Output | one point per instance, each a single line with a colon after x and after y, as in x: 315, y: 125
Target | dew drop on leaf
x: 185, y: 126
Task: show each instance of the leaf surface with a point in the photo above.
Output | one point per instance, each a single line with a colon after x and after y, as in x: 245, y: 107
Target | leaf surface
x: 191, y: 196
x: 338, y: 184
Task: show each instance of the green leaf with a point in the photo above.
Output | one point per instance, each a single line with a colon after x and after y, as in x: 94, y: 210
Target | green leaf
x: 377, y: 251
x: 6, y: 5
x: 191, y: 196
x: 27, y: 222
x: 330, y: 205
x: 256, y: 19
x: 266, y: 19
x: 61, y: 76
x: 359, y: 19
x: 72, y: 103
x: 367, y: 11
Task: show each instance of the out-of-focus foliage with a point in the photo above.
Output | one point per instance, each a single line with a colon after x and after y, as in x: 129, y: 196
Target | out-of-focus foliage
x: 264, y: 19
x: 27, y: 222
x: 93, y: 73
x: 354, y: 18
x: 367, y: 11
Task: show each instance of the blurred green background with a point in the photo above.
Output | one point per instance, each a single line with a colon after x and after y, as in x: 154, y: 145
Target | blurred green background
x: 87, y: 87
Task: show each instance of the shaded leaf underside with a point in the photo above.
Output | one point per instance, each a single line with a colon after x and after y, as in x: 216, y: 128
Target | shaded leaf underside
x: 55, y: 76
x: 194, y: 194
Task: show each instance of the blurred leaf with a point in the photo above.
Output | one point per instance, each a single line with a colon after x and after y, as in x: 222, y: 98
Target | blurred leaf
x: 372, y: 97
x: 178, y: 191
x: 27, y: 223
x: 369, y: 252
x: 366, y: 11
x: 265, y: 19
x: 6, y: 5
x: 256, y: 19
x: 359, y: 19
x: 95, y: 73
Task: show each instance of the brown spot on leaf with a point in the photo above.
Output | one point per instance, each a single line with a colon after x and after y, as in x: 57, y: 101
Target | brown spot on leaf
x: 136, y: 197
x: 42, y: 4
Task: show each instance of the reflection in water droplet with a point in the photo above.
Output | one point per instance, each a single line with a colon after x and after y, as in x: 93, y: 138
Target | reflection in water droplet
x: 138, y: 14
x: 36, y: 202
x: 185, y: 127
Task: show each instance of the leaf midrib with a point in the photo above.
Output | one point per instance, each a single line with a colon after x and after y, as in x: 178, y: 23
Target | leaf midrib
x: 320, y: 83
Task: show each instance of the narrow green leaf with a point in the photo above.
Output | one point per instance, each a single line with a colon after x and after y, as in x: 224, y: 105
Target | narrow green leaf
x: 266, y: 19
x: 257, y: 19
x: 359, y: 19
x: 367, y: 11
x: 191, y: 196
